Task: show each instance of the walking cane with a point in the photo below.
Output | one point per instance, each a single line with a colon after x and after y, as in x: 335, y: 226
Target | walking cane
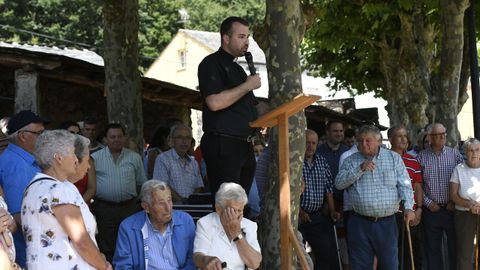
x: 337, y: 246
x: 410, y: 244
x: 476, y: 245
x: 402, y: 243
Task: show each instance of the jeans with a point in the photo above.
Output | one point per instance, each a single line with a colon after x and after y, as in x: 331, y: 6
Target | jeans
x: 367, y: 239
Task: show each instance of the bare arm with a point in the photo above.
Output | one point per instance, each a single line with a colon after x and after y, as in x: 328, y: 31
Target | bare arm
x: 418, y: 191
x: 231, y: 224
x: 331, y: 207
x: 457, y: 199
x: 250, y: 256
x: 91, y: 184
x: 71, y: 220
x: 226, y: 98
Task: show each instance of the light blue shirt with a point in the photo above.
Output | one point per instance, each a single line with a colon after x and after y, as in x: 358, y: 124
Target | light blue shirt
x: 376, y: 193
x: 180, y: 173
x: 159, y: 248
x: 118, y: 180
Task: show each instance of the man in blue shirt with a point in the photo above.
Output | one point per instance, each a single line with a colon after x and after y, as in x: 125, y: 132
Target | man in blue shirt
x: 377, y: 180
x: 18, y: 166
x: 158, y: 237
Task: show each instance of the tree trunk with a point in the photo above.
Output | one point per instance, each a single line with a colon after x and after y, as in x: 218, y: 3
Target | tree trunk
x: 405, y: 68
x: 122, y: 78
x: 451, y: 23
x: 284, y: 29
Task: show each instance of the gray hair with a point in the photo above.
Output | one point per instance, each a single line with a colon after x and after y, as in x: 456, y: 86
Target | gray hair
x: 370, y: 129
x: 229, y: 191
x: 391, y: 131
x: 81, y: 144
x: 149, y: 187
x: 13, y: 138
x: 470, y: 142
x: 52, y: 142
x: 176, y: 127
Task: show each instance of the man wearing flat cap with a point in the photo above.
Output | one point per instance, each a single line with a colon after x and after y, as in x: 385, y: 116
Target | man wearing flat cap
x: 18, y: 166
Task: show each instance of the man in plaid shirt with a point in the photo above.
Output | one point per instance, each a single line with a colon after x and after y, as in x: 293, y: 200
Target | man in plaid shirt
x: 438, y: 163
x: 315, y: 226
x: 377, y: 181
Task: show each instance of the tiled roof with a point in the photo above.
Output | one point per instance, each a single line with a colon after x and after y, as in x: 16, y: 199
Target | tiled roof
x: 212, y: 41
x: 80, y: 54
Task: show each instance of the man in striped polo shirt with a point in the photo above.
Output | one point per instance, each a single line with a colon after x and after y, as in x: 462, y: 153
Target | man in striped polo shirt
x: 397, y: 135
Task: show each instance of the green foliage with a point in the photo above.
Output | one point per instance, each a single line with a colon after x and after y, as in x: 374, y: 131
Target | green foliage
x: 344, y: 43
x: 80, y: 21
x: 212, y: 12
x: 73, y: 20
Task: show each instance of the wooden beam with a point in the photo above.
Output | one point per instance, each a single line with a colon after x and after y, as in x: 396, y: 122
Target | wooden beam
x: 77, y: 79
x: 284, y: 173
x: 279, y: 116
x: 14, y: 60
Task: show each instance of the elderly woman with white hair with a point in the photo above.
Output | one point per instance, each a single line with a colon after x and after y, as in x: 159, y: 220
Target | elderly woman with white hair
x: 224, y: 239
x: 58, y: 227
x: 465, y: 193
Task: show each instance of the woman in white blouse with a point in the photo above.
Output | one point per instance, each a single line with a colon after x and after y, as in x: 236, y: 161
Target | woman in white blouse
x: 224, y: 239
x: 465, y: 193
x: 58, y: 227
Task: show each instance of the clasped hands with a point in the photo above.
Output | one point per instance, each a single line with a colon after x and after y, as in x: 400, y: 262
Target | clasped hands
x: 475, y: 208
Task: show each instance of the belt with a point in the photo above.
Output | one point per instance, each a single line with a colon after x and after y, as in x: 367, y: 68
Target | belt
x: 122, y: 203
x: 250, y: 138
x: 373, y: 219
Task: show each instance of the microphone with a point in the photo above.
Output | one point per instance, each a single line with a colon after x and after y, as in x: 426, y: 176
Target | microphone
x: 251, y: 67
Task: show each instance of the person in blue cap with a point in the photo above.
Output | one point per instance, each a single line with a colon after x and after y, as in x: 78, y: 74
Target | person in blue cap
x: 18, y: 166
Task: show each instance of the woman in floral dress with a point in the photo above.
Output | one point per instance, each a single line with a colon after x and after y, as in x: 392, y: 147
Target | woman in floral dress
x: 57, y: 225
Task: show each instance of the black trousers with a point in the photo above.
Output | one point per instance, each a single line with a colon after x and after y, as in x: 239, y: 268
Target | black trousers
x: 228, y: 160
x: 109, y: 216
x: 321, y: 237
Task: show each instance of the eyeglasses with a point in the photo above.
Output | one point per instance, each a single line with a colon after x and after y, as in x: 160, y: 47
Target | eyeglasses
x: 183, y: 138
x: 33, y: 132
x: 438, y: 134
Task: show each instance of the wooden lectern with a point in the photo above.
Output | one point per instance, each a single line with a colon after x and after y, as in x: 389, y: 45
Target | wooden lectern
x: 279, y: 116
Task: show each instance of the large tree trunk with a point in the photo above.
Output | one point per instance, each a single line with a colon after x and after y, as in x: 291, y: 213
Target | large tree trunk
x: 451, y: 23
x: 283, y: 33
x: 122, y: 78
x: 404, y: 66
x: 415, y: 94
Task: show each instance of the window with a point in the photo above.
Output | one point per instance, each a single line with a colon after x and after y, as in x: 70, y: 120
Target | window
x: 182, y: 56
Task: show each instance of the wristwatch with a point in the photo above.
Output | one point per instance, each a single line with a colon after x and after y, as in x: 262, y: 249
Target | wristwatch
x: 239, y: 237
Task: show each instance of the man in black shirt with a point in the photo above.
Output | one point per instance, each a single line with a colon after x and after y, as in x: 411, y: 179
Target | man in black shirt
x: 228, y: 107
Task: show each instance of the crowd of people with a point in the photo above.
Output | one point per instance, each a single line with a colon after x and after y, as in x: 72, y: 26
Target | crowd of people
x: 71, y: 201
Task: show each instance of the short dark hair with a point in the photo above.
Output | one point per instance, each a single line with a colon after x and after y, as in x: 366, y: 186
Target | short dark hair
x: 394, y: 129
x: 90, y: 120
x: 67, y: 124
x: 349, y: 132
x: 331, y: 122
x: 114, y: 126
x: 159, y: 138
x: 226, y: 26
